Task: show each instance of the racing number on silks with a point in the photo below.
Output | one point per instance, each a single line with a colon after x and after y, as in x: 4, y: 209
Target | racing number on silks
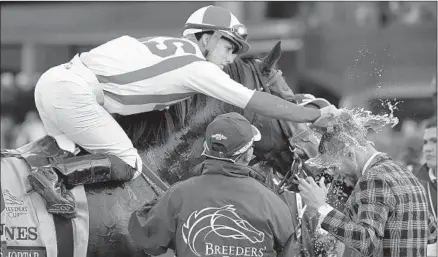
x: 170, y: 47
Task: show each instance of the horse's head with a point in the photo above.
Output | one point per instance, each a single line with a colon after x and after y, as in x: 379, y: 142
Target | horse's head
x: 262, y: 75
x: 232, y: 225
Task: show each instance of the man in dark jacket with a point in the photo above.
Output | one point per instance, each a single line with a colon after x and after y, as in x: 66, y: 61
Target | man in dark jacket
x: 224, y: 211
x: 427, y: 174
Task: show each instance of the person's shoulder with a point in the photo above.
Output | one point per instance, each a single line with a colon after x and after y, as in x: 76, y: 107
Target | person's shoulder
x: 267, y: 193
x: 271, y: 202
x: 423, y: 173
x: 379, y: 174
x: 184, y: 185
x: 388, y: 174
x: 384, y: 168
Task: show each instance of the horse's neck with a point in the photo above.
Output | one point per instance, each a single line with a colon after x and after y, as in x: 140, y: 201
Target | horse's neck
x: 182, y: 150
x: 241, y: 72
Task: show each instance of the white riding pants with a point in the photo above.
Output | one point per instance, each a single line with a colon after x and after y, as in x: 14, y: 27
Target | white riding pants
x: 69, y: 103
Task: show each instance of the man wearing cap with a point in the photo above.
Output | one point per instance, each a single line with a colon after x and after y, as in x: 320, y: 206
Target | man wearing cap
x: 129, y: 76
x: 225, y: 211
x: 387, y: 212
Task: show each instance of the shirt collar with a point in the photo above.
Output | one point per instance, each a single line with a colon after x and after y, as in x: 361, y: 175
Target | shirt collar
x: 432, y: 176
x: 213, y: 166
x: 368, y: 163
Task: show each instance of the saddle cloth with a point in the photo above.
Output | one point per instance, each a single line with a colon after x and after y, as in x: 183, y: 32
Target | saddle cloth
x: 27, y: 229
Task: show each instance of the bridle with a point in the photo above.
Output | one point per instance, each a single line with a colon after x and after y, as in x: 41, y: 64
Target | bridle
x: 297, y: 163
x: 270, y: 80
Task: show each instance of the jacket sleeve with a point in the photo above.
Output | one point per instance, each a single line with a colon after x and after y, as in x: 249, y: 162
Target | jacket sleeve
x: 432, y: 237
x: 364, y: 236
x: 207, y: 78
x: 275, y: 107
x: 153, y: 226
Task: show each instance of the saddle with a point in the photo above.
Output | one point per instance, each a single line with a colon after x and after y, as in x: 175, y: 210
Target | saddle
x: 39, y: 153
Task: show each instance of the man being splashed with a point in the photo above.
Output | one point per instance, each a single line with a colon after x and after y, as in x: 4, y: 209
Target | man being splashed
x: 387, y: 212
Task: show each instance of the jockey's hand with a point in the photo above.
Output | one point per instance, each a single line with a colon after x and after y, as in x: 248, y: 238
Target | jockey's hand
x: 301, y: 98
x: 323, y: 122
x: 326, y: 120
x: 331, y: 109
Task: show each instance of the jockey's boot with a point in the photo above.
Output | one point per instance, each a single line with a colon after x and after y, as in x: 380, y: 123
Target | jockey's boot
x: 78, y: 170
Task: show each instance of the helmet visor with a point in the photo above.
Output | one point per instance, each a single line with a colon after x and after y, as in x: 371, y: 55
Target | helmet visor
x: 239, y: 30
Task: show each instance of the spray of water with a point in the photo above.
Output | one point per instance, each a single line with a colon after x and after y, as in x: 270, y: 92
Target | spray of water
x: 349, y: 130
x: 368, y: 120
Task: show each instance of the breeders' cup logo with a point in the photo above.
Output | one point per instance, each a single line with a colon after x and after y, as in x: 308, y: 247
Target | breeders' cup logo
x: 210, y: 223
x: 13, y: 205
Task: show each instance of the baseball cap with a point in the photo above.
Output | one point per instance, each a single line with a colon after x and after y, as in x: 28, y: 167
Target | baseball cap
x: 228, y: 136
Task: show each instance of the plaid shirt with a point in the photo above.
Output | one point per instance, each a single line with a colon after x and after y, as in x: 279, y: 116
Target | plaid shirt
x: 386, y: 215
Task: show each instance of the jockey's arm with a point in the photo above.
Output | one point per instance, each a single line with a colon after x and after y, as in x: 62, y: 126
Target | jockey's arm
x: 275, y: 107
x: 209, y: 79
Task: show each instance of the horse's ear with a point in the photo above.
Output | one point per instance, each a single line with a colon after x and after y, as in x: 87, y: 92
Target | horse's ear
x: 272, y: 58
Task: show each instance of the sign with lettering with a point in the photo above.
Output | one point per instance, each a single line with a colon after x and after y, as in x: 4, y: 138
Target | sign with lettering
x: 24, y: 251
x: 19, y: 223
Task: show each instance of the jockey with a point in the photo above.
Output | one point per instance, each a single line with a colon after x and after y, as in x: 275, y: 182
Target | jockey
x: 126, y: 76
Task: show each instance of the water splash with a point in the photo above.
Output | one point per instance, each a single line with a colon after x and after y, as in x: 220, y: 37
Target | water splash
x: 349, y: 130
x: 368, y: 120
x: 391, y: 106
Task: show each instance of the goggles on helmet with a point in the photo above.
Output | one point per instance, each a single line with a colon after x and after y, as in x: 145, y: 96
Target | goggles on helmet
x: 239, y: 30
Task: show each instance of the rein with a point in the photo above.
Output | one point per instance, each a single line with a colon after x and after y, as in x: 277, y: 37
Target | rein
x: 157, y: 185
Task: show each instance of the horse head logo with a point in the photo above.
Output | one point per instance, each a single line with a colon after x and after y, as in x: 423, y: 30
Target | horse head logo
x: 223, y: 222
x: 9, y: 198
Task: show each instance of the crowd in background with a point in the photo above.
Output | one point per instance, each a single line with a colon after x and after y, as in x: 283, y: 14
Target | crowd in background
x: 20, y: 122
x: 15, y: 134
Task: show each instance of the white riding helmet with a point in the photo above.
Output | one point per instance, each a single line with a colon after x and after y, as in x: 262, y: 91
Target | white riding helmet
x: 221, y: 21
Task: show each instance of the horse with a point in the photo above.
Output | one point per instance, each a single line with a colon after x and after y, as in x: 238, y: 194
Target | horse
x: 170, y: 143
